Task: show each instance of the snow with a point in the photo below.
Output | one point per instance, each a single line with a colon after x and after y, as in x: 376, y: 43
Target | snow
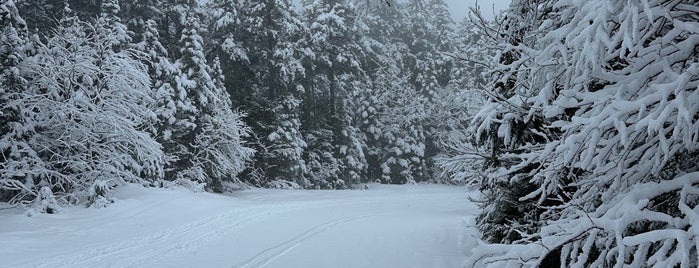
x: 384, y: 226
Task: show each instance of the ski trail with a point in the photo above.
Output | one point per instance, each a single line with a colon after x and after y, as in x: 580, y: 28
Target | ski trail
x: 136, y: 252
x: 166, y: 242
x: 403, y: 226
x: 279, y: 255
x: 268, y: 256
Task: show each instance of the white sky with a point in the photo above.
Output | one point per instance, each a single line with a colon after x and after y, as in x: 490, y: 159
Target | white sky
x: 459, y: 8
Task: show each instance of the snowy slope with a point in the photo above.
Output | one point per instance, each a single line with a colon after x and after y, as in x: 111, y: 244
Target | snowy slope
x: 386, y: 226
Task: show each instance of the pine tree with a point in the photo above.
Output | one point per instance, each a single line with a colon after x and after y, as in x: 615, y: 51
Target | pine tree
x: 213, y: 149
x: 350, y: 142
x: 219, y: 143
x: 270, y: 37
x: 172, y: 22
x: 401, y: 138
x: 226, y: 33
x: 508, y: 129
x: 420, y: 61
x: 367, y: 110
x: 117, y: 33
x: 459, y: 158
x: 40, y: 15
x: 620, y: 158
x: 136, y: 14
x: 19, y: 162
x: 263, y: 66
x: 174, y: 110
x: 429, y: 64
x: 285, y: 161
x: 333, y: 71
x: 381, y: 124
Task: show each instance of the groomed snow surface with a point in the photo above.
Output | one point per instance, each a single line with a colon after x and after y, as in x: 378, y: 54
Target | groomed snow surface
x: 385, y: 226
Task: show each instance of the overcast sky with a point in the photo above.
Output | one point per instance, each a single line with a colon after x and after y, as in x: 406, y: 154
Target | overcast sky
x: 459, y: 8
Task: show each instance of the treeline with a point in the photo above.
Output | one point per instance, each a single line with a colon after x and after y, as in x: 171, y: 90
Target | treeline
x: 220, y: 94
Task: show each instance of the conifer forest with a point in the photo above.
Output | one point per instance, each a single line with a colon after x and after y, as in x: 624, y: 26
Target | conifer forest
x: 572, y: 124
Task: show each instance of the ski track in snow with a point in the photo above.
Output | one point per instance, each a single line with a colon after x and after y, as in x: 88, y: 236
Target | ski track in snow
x: 267, y: 256
x: 166, y: 242
x: 265, y: 217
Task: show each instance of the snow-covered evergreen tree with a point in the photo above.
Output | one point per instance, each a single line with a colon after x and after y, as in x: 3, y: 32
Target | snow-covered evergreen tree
x: 270, y: 37
x: 367, y: 109
x: 350, y: 141
x: 19, y: 163
x: 226, y: 33
x: 174, y: 109
x: 401, y: 139
x: 454, y: 107
x: 383, y: 62
x: 116, y: 33
x: 506, y: 128
x: 284, y: 160
x: 333, y: 71
x: 420, y: 39
x: 259, y: 46
x: 219, y: 143
x: 429, y: 63
x: 172, y: 22
x: 214, y: 153
x: 136, y: 14
x: 86, y: 103
x: 614, y: 87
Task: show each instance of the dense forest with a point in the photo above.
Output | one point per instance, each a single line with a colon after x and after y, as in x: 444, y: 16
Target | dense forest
x: 577, y: 121
x: 225, y: 94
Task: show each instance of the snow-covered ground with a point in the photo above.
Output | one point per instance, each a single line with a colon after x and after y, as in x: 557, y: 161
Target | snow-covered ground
x: 385, y: 226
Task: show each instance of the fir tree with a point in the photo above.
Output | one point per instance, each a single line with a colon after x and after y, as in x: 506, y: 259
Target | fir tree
x: 333, y: 71
x: 118, y: 34
x: 287, y: 145
x: 19, y: 162
x: 618, y: 170
x: 174, y: 110
x: 508, y: 129
x: 214, y: 152
x: 263, y: 67
x: 219, y: 143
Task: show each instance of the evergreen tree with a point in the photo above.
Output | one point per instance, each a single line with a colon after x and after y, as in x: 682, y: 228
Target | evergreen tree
x: 286, y: 166
x: 213, y: 151
x: 401, y: 138
x: 454, y: 107
x: 40, y: 15
x: 429, y: 64
x: 116, y: 32
x: 263, y: 67
x: 332, y: 72
x: 367, y: 110
x: 136, y: 14
x: 219, y: 143
x: 508, y: 129
x: 613, y: 90
x: 19, y: 163
x: 172, y: 22
x: 174, y: 109
x: 385, y: 66
x: 226, y: 34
